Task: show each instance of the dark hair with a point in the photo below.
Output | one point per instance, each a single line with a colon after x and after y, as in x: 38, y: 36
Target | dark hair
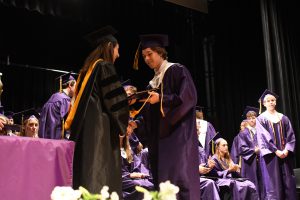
x: 104, y: 50
x: 161, y: 51
x: 251, y: 114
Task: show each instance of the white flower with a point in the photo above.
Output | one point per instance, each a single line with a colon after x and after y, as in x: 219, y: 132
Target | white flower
x: 104, y: 192
x: 147, y: 196
x: 65, y: 193
x: 168, y: 191
x: 114, y: 196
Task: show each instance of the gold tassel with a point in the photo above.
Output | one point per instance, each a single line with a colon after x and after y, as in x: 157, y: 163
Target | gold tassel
x: 136, y: 58
x: 260, y: 106
x: 60, y: 84
x: 63, y: 129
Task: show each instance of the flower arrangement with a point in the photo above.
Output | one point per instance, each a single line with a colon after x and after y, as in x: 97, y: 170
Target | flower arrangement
x: 167, y: 191
x: 67, y: 193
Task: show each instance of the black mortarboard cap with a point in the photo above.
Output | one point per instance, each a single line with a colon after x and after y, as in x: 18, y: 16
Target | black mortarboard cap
x: 266, y: 92
x: 261, y: 98
x: 250, y: 108
x: 154, y: 40
x: 103, y: 34
x: 149, y: 40
x: 213, y: 140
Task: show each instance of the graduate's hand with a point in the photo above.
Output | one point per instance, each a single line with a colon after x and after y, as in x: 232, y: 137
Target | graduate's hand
x: 133, y: 124
x: 154, y: 98
x: 280, y: 154
x: 211, y: 163
x: 285, y: 153
x: 139, y: 148
x: 234, y: 168
x: 1, y: 125
x: 204, y: 170
x: 138, y: 175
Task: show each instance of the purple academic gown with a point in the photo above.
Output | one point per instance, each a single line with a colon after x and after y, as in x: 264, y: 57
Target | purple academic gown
x: 208, y: 188
x: 128, y: 184
x: 278, y: 175
x: 53, y: 112
x: 234, y: 151
x: 210, y: 133
x: 173, y: 147
x: 250, y: 160
x: 244, y: 189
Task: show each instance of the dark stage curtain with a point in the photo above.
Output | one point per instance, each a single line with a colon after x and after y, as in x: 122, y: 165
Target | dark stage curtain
x: 280, y: 21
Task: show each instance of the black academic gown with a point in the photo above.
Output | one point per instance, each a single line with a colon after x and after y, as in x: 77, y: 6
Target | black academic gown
x: 173, y: 146
x: 101, y: 116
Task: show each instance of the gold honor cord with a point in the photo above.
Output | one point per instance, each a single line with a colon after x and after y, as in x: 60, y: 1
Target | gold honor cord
x: 133, y: 114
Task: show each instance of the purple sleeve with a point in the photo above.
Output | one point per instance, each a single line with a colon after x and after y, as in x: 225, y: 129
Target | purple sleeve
x: 179, y: 97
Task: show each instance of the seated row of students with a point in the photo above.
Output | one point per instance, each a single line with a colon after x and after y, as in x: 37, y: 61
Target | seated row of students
x: 220, y: 176
x: 29, y: 129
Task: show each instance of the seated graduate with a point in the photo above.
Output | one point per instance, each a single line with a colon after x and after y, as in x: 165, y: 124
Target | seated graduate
x: 249, y: 150
x: 205, y: 130
x: 230, y: 172
x: 208, y: 187
x: 136, y: 125
x: 31, y: 125
x: 134, y: 173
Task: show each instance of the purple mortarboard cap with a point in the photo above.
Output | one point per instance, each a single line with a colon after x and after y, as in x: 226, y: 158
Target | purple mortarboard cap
x: 250, y: 108
x: 66, y: 78
x: 266, y: 92
x: 154, y: 40
x: 103, y: 34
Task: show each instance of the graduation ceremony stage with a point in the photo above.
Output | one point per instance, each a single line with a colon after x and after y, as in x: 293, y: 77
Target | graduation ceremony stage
x: 31, y: 167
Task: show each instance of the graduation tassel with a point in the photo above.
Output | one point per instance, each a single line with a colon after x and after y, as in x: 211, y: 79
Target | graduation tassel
x: 260, y: 107
x: 136, y: 58
x: 63, y: 129
x: 60, y: 84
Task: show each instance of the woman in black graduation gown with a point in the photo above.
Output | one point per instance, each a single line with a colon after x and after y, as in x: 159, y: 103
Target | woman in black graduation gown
x: 99, y: 114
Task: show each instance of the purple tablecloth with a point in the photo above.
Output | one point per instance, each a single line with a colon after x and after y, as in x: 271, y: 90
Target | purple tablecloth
x: 30, y: 168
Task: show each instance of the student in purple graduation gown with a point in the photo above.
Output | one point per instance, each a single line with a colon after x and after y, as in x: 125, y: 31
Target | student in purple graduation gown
x: 170, y: 120
x: 277, y: 150
x: 134, y: 173
x: 205, y: 131
x: 249, y: 150
x: 208, y: 188
x: 230, y: 172
x: 56, y: 109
